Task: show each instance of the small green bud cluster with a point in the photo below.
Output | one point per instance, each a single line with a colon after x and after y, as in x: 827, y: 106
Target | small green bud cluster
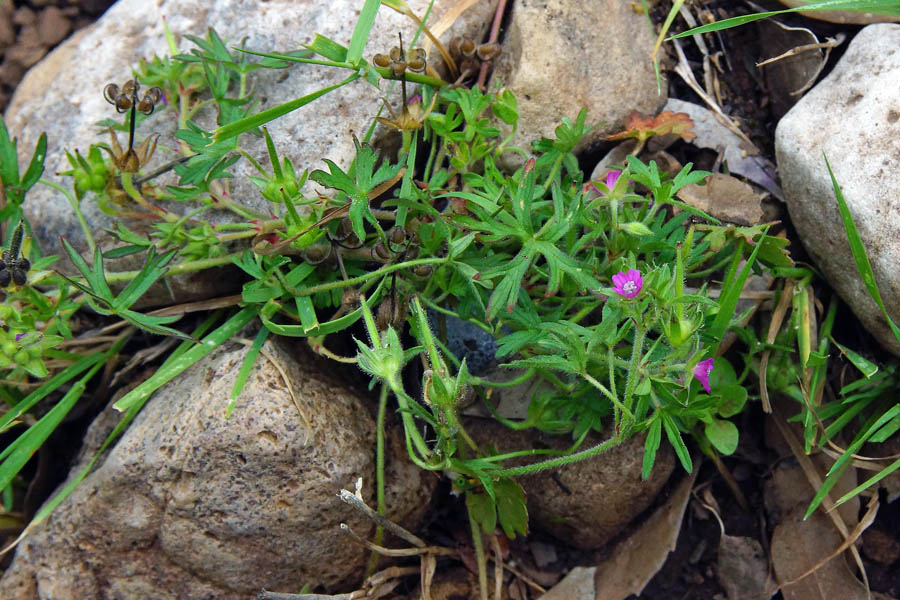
x: 91, y: 174
x: 25, y: 350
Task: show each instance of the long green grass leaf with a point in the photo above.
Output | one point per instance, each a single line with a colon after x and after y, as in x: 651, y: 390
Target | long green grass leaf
x: 253, y: 121
x: 168, y: 371
x: 129, y: 415
x: 731, y: 293
x: 887, y: 7
x: 246, y: 367
x: 23, y: 448
x: 843, y: 462
x: 362, y: 30
x: 67, y: 374
x: 859, y: 251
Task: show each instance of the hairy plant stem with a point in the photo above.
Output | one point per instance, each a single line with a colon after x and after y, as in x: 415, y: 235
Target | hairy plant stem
x: 76, y: 208
x: 128, y: 186
x: 185, y: 267
x: 480, y: 558
x: 379, y: 473
x: 559, y: 462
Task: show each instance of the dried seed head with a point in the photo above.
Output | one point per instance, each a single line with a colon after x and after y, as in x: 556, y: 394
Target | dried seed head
x: 344, y: 230
x: 398, y: 68
x: 396, y: 54
x: 150, y: 100
x: 110, y: 93
x: 350, y: 298
x: 382, y: 60
x: 384, y: 316
x: 416, y: 66
x: 423, y: 271
x: 316, y: 254
x: 415, y: 54
x: 396, y: 235
x: 380, y: 252
x: 488, y: 52
x: 467, y: 48
x: 416, y: 60
x: 131, y: 87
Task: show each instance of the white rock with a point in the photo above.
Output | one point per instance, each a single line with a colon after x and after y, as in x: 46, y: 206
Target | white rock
x: 63, y: 96
x: 853, y: 117
x: 190, y: 504
x: 562, y: 55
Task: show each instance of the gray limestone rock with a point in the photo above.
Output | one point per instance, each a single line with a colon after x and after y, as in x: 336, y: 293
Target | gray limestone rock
x: 63, y: 96
x: 853, y: 117
x: 192, y: 505
x: 562, y: 55
x: 587, y: 503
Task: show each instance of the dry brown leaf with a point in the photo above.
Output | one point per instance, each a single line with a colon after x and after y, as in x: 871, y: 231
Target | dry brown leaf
x: 643, y: 127
x: 798, y: 546
x: 726, y: 198
x: 638, y: 558
x: 742, y: 158
x: 577, y: 585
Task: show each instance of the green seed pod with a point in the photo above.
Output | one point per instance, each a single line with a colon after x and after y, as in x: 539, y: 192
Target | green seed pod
x: 290, y: 187
x: 82, y: 181
x: 271, y: 193
x: 98, y: 181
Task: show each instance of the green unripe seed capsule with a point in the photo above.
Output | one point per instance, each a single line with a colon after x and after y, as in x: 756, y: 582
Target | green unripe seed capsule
x: 290, y: 187
x: 21, y: 357
x: 98, y: 181
x: 272, y: 191
x: 82, y: 182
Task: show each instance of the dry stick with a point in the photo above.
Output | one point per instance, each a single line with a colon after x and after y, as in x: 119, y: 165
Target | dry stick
x: 829, y: 44
x: 815, y: 480
x: 774, y: 326
x: 495, y: 33
x: 498, y: 567
x: 437, y: 550
x: 378, y: 585
x: 864, y: 523
x: 358, y: 503
x: 685, y: 72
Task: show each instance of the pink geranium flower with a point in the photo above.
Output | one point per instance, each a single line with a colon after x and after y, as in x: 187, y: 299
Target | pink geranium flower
x: 612, y: 177
x: 702, y: 371
x: 628, y: 285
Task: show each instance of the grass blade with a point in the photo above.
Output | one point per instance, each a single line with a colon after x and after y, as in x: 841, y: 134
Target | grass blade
x: 362, y: 30
x: 253, y: 121
x: 168, y: 371
x: 859, y: 251
x: 887, y: 7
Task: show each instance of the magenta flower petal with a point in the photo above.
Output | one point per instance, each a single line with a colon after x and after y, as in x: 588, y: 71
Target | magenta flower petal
x: 628, y: 285
x: 612, y: 177
x: 702, y: 371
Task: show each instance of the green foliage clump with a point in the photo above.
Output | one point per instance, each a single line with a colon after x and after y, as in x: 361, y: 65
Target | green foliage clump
x: 531, y: 256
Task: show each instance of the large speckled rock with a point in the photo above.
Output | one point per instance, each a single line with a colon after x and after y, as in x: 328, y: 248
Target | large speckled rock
x: 587, y: 503
x: 853, y: 116
x: 562, y: 55
x: 63, y: 96
x: 192, y: 505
